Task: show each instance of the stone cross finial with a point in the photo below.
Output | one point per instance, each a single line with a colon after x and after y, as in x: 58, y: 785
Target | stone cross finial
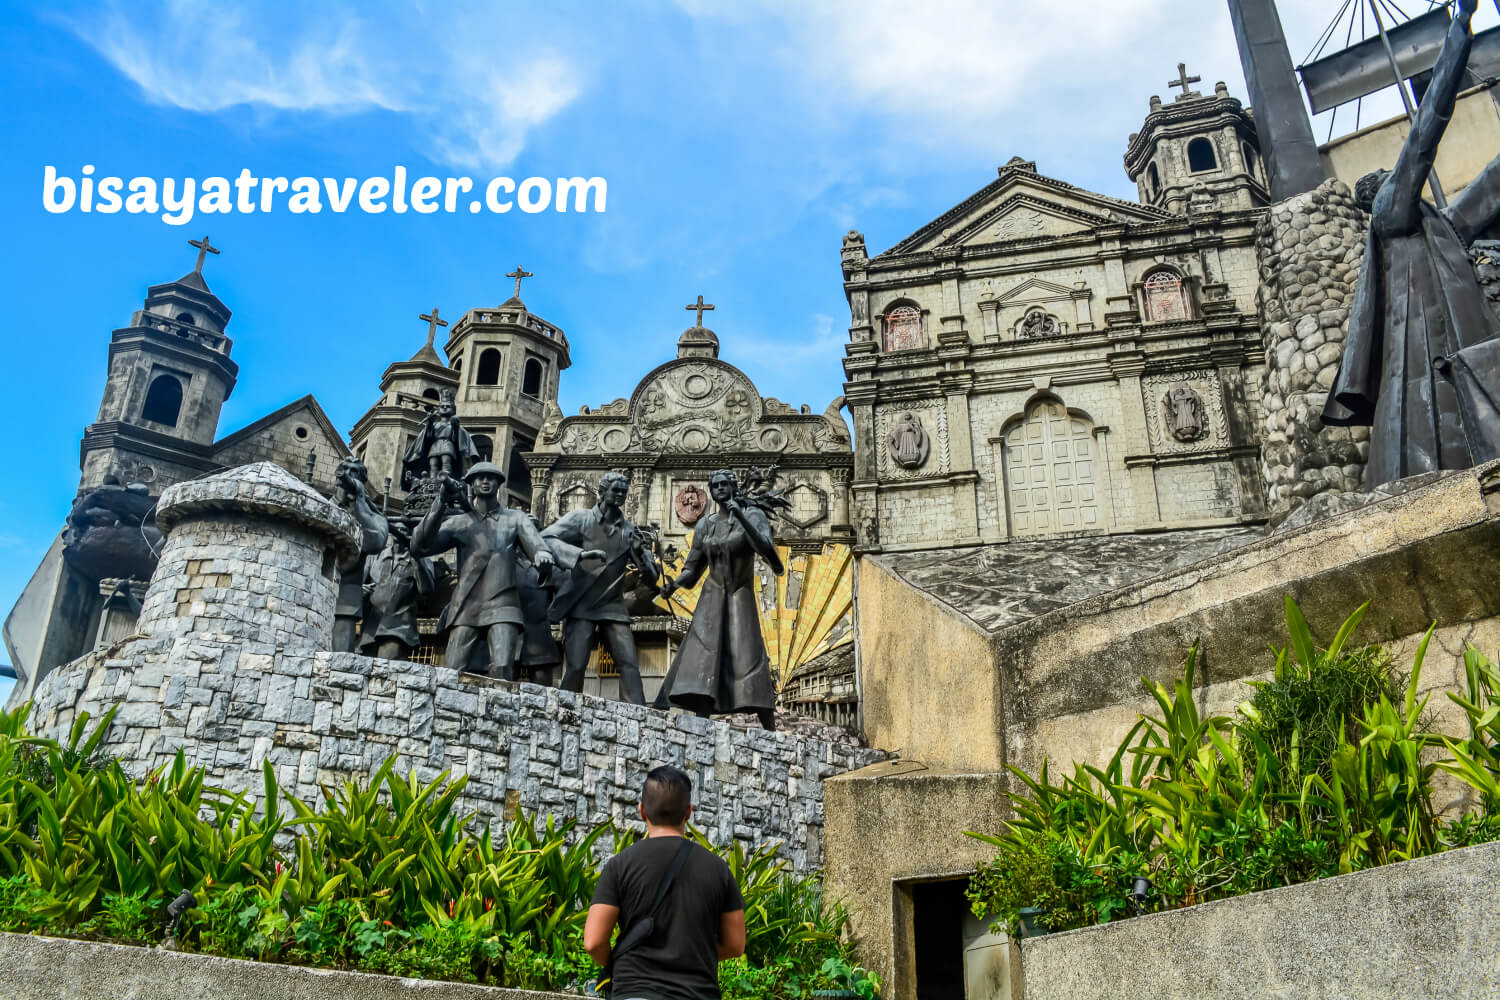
x: 1183, y: 80
x: 519, y: 273
x: 700, y: 308
x: 433, y: 323
x: 204, y: 247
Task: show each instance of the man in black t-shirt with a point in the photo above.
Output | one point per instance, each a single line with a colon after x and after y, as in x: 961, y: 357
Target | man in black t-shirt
x: 701, y: 921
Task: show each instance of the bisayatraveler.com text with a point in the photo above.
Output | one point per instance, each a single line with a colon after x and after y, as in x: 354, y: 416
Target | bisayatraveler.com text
x: 176, y: 199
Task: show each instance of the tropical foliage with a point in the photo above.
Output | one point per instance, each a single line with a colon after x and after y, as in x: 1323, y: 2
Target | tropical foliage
x: 1328, y: 768
x: 383, y: 876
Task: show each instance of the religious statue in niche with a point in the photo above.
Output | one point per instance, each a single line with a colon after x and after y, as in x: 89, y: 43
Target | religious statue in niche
x: 690, y: 504
x: 908, y: 441
x: 1183, y: 414
x: 1421, y: 364
x: 441, y: 446
x: 1039, y: 323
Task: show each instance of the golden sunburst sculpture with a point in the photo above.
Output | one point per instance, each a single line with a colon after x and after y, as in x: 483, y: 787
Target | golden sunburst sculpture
x: 804, y: 613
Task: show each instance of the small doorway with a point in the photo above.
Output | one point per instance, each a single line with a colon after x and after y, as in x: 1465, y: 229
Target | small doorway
x: 938, y: 911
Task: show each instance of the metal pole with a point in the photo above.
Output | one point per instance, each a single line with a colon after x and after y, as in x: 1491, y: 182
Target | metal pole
x: 1438, y: 197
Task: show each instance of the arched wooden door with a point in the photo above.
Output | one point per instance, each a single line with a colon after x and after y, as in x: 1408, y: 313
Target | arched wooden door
x: 1050, y: 472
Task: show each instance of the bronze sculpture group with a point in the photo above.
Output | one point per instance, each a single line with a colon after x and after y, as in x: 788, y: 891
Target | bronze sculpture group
x: 513, y: 580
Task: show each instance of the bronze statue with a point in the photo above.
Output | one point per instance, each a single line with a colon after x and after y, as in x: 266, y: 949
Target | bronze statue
x: 489, y: 537
x: 1421, y: 364
x: 540, y: 654
x: 350, y: 479
x: 600, y: 546
x: 722, y: 665
x: 441, y: 446
x: 395, y: 584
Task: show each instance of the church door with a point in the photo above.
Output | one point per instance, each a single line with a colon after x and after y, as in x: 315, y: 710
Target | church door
x: 1049, y: 472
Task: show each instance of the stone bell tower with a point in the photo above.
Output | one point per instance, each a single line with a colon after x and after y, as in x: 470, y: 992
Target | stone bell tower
x: 1198, y: 153
x: 169, y: 375
x: 508, y: 361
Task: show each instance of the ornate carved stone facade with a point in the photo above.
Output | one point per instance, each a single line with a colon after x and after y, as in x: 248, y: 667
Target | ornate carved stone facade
x: 686, y: 418
x: 1074, y: 362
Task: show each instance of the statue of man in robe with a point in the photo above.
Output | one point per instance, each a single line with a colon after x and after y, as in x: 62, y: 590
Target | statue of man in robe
x: 1421, y: 364
x: 908, y: 441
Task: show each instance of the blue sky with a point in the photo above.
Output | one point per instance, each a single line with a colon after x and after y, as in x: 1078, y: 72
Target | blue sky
x: 739, y: 141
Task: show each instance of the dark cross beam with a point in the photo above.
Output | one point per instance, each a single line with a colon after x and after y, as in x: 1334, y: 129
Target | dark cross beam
x: 204, y: 247
x: 433, y: 323
x: 1281, y: 122
x: 700, y: 309
x: 1183, y: 80
x: 519, y: 273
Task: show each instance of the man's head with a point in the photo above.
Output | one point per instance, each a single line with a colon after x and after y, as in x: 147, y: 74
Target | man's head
x: 613, y: 488
x: 667, y: 799
x: 1367, y: 187
x: 485, y: 479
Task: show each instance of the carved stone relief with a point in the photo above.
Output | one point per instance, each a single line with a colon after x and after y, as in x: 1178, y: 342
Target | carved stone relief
x: 690, y: 504
x: 907, y: 442
x: 809, y: 505
x: 1038, y: 322
x: 1185, y: 411
x: 1183, y: 414
x: 930, y: 449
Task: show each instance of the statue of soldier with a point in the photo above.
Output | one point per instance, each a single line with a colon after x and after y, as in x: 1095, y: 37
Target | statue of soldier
x: 350, y: 479
x: 599, y: 546
x: 395, y: 584
x: 489, y: 539
x: 1421, y: 364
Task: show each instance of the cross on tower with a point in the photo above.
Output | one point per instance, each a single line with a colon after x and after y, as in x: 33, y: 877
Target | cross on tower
x: 519, y: 273
x: 1183, y: 80
x: 204, y: 247
x: 432, y: 324
x: 700, y: 308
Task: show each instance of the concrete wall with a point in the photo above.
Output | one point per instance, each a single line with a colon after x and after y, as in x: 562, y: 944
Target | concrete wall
x: 1423, y: 928
x: 41, y: 968
x: 322, y: 718
x: 921, y: 662
x: 1472, y: 140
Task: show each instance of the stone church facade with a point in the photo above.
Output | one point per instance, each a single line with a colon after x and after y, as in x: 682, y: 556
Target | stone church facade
x: 686, y: 418
x: 1041, y: 360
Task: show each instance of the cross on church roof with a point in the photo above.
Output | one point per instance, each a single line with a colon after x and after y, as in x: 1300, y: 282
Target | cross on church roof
x: 433, y: 323
x: 1183, y: 80
x: 700, y: 308
x: 204, y: 247
x: 519, y: 273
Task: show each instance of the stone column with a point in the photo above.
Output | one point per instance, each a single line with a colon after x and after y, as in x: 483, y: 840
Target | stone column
x: 840, y: 476
x: 251, y: 555
x: 1310, y: 249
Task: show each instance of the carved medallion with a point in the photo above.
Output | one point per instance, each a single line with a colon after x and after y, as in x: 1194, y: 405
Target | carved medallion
x: 1183, y: 414
x: 690, y: 504
x: 1038, y: 323
x: 908, y: 441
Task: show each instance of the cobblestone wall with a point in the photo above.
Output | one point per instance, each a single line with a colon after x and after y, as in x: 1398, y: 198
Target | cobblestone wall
x: 325, y: 717
x: 1310, y: 247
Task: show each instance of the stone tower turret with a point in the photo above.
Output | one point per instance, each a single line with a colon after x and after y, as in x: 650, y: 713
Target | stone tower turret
x: 169, y: 375
x: 1197, y: 153
x: 508, y: 361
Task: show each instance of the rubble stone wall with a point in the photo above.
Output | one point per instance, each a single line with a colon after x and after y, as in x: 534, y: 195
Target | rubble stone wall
x: 1310, y: 250
x: 322, y: 718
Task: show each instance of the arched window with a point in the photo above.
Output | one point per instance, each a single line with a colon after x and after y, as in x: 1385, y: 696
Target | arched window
x: 458, y: 365
x: 1154, y: 177
x: 1201, y: 155
x: 531, y: 381
x: 488, y: 372
x: 485, y: 446
x: 903, y: 329
x: 1166, y: 298
x: 163, y: 400
x: 517, y: 476
x: 1050, y: 478
x: 1250, y: 159
x: 430, y: 394
x: 187, y: 318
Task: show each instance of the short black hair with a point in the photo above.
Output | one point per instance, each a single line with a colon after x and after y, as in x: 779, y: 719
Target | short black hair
x: 667, y: 796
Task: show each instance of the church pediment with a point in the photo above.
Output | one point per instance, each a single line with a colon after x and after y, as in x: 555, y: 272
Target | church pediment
x: 1022, y: 204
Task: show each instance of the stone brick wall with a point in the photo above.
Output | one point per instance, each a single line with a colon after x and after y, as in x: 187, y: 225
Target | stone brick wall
x: 1310, y: 247
x: 321, y: 718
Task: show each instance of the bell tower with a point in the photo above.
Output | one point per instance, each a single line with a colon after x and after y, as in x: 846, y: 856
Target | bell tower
x: 1198, y: 153
x: 169, y: 375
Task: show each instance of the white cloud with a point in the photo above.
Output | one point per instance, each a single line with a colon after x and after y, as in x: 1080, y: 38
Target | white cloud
x: 476, y: 99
